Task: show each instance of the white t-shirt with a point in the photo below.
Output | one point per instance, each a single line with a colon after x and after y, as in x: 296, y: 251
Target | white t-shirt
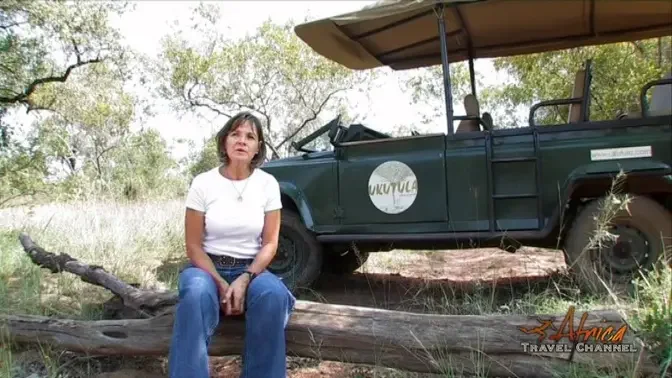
x: 233, y: 227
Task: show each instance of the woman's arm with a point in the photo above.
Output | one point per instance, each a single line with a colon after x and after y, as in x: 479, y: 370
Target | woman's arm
x: 193, y: 225
x: 269, y: 242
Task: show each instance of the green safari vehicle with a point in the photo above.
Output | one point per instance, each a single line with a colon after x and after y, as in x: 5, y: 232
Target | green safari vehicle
x: 478, y: 185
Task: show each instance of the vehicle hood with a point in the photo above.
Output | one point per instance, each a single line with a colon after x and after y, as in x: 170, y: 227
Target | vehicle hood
x: 295, y: 160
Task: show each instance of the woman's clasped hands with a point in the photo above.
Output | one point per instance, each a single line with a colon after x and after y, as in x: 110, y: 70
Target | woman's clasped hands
x: 232, y: 297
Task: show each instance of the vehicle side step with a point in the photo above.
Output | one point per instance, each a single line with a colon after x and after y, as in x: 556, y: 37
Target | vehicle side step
x: 512, y: 196
x: 514, y: 160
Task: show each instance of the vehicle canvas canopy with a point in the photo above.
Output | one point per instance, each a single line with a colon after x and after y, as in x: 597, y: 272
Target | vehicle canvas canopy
x: 403, y: 34
x: 407, y: 34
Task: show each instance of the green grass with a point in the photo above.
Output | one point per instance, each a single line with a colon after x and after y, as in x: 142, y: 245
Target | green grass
x: 651, y: 314
x: 143, y: 244
x: 135, y: 242
x: 140, y: 243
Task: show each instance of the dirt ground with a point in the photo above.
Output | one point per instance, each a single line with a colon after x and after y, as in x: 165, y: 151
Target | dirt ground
x: 468, y: 265
x: 388, y: 280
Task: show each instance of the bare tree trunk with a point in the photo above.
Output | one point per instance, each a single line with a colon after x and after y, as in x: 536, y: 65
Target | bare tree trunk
x: 488, y: 345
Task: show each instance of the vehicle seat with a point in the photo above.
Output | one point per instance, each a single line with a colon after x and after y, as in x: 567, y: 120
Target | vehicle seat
x: 471, y: 108
x: 487, y: 120
x: 661, y: 99
x: 577, y: 92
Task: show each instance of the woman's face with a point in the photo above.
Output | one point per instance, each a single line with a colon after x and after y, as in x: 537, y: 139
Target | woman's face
x: 242, y: 143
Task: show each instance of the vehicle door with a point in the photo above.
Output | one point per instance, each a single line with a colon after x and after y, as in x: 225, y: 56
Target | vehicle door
x: 392, y: 181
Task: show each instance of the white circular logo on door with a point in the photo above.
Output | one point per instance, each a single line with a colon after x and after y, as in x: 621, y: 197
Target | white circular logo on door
x: 393, y: 187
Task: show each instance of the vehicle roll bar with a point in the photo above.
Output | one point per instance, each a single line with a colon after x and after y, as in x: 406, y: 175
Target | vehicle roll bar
x: 642, y: 97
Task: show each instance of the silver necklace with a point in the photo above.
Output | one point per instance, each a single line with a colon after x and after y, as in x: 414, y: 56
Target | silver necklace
x: 240, y: 194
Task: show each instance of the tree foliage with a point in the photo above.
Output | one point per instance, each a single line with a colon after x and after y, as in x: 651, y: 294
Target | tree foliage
x: 618, y: 73
x: 43, y: 42
x: 64, y: 64
x: 203, y: 159
x: 22, y: 170
x: 91, y: 115
x: 88, y: 135
x: 425, y: 86
x: 271, y: 72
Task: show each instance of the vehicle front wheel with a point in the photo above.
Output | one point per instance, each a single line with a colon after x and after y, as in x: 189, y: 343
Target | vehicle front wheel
x: 631, y: 242
x: 298, y: 260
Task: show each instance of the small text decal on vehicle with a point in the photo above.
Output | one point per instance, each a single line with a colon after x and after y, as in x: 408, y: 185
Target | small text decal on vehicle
x: 621, y: 153
x: 393, y: 187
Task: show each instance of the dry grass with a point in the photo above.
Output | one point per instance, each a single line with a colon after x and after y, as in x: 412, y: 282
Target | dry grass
x: 142, y: 243
x: 131, y: 241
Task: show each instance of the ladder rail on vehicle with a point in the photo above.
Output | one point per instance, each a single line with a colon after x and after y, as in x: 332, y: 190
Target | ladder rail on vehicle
x: 489, y: 146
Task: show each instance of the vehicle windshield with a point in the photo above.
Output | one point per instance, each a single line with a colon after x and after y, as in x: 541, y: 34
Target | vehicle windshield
x: 335, y: 133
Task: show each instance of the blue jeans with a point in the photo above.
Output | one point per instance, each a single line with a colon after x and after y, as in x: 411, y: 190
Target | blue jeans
x: 268, y: 306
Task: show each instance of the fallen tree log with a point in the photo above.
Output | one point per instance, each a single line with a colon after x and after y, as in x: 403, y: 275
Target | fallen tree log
x: 498, y: 345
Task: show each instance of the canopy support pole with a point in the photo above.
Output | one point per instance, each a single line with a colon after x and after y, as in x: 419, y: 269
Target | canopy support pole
x: 446, y: 69
x: 472, y: 74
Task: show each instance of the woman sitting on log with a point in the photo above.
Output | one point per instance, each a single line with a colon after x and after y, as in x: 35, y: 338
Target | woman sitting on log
x: 232, y: 224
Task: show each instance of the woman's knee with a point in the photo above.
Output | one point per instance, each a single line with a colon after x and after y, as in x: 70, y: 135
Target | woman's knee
x: 267, y: 289
x: 195, y: 283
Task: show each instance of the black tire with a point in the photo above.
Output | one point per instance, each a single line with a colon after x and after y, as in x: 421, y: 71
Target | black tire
x: 339, y: 261
x: 645, y: 229
x: 298, y: 260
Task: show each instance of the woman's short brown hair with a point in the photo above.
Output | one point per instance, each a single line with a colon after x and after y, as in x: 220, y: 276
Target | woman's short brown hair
x: 230, y: 126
